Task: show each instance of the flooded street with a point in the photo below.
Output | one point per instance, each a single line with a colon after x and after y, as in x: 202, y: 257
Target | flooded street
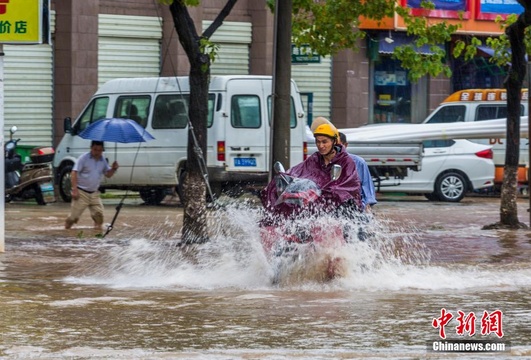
x: 135, y: 295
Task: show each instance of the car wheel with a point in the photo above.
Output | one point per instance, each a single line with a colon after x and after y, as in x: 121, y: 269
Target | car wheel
x: 38, y: 195
x: 153, y: 196
x: 451, y: 187
x: 432, y: 197
x: 65, y: 183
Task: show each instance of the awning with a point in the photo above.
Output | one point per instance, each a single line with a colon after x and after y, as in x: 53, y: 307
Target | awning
x: 487, y: 50
x: 490, y: 51
x: 387, y: 47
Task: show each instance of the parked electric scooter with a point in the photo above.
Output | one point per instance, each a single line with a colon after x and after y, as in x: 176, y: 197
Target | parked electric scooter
x: 33, y: 179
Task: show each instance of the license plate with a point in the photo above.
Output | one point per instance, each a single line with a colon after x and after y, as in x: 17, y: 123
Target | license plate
x: 244, y: 162
x: 48, y: 193
x: 46, y: 187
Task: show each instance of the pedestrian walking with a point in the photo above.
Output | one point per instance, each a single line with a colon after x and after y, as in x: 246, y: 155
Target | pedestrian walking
x: 86, y: 178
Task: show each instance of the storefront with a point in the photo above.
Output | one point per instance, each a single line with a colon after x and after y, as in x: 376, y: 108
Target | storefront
x: 394, y: 98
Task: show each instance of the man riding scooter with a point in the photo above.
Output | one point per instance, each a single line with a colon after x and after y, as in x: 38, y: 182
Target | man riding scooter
x: 300, y: 228
x: 345, y: 192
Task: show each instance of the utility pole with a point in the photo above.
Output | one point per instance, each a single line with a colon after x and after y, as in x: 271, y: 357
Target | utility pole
x: 2, y: 144
x: 281, y: 104
x: 529, y: 127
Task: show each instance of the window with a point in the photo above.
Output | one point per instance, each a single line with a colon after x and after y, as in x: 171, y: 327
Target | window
x: 292, y: 114
x: 490, y: 112
x: 171, y: 111
x: 392, y: 92
x: 245, y: 111
x: 437, y: 143
x: 96, y: 110
x: 449, y: 114
x: 133, y: 107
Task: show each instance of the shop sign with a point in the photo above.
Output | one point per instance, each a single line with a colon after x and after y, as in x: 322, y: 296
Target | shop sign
x: 21, y: 21
x: 384, y: 78
x: 303, y: 54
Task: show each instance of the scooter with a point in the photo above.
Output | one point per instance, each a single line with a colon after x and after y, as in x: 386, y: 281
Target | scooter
x: 33, y: 179
x: 287, y: 238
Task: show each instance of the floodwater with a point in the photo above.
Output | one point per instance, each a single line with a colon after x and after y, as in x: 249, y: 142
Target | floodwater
x: 135, y: 295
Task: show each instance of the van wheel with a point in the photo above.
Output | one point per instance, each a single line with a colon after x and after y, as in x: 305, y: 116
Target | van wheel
x: 38, y: 195
x: 65, y: 183
x: 153, y: 196
x: 451, y: 187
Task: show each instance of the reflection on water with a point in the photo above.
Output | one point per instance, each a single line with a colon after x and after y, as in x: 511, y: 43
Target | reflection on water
x: 143, y: 297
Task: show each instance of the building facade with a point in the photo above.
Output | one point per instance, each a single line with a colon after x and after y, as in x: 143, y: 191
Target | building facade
x: 94, y: 41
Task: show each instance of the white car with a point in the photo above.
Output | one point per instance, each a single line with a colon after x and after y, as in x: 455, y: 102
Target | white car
x: 450, y: 169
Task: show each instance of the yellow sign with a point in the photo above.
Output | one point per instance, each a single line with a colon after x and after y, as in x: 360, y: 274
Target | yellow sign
x: 21, y: 21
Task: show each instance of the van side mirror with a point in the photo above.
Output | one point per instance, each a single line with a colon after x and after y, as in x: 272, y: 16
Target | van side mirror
x: 67, y: 125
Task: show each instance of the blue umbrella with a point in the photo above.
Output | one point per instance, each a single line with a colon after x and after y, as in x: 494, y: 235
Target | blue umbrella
x: 116, y: 130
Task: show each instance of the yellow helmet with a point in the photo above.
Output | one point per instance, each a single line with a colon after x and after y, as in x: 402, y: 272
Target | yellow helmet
x: 319, y: 121
x: 326, y: 130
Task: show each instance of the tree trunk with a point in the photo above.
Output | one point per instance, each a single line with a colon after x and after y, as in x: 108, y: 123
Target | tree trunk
x: 508, y: 208
x: 194, y: 188
x: 195, y: 210
x: 513, y: 83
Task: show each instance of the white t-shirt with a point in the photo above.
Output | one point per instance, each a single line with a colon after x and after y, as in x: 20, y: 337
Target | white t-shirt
x: 89, y: 171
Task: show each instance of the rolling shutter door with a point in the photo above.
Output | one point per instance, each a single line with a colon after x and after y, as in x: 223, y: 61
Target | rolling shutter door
x: 316, y: 79
x: 128, y: 46
x: 28, y: 92
x: 234, y: 39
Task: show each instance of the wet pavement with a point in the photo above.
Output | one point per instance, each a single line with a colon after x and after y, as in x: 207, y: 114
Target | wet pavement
x: 28, y: 219
x: 69, y: 294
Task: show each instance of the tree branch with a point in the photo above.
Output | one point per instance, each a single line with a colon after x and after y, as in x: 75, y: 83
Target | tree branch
x: 219, y: 19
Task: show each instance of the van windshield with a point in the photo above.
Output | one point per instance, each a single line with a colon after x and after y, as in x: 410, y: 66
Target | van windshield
x: 96, y: 110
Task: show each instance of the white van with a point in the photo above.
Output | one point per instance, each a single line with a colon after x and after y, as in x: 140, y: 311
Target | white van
x: 238, y: 133
x: 479, y: 105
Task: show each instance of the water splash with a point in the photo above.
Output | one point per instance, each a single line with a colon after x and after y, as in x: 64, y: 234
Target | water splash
x: 391, y: 257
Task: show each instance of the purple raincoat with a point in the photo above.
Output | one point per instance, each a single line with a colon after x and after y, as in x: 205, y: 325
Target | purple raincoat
x: 347, y: 187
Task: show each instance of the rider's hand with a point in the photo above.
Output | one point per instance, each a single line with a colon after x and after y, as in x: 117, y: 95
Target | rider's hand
x: 115, y: 166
